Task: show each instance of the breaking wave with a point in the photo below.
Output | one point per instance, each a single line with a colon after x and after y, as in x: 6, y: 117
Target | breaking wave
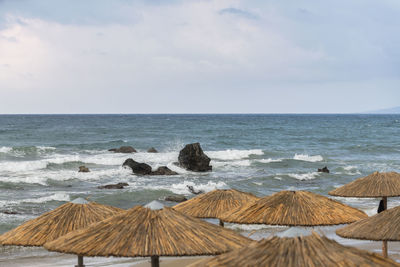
x: 305, y: 157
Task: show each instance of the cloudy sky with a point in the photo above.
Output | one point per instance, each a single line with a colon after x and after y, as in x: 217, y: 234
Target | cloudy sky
x: 121, y: 56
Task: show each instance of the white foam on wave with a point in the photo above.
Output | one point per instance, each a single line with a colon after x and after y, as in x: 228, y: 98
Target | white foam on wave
x: 5, y: 149
x: 233, y: 154
x: 304, y: 176
x: 18, y: 166
x: 305, y: 157
x: 181, y: 188
x: 41, y: 176
x: 269, y: 160
x: 351, y: 170
x: 54, y: 197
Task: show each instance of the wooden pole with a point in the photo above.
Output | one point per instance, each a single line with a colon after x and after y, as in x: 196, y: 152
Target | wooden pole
x: 384, y: 243
x: 384, y: 249
x: 221, y: 223
x: 155, y: 261
x: 80, y: 261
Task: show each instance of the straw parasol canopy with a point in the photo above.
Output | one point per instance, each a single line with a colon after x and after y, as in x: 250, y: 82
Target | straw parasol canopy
x: 384, y: 226
x: 215, y: 203
x: 294, y: 208
x: 376, y: 185
x: 142, y: 232
x: 313, y: 250
x: 60, y: 221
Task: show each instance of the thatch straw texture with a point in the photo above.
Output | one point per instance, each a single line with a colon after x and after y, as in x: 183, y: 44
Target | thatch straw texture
x: 60, y: 221
x: 142, y: 232
x: 309, y: 251
x: 294, y: 208
x: 215, y: 203
x: 377, y: 184
x: 384, y: 226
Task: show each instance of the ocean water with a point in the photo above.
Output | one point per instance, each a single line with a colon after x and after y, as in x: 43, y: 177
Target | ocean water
x: 262, y: 154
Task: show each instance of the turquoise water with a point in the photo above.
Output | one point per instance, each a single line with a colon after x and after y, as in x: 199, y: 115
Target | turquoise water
x: 262, y: 154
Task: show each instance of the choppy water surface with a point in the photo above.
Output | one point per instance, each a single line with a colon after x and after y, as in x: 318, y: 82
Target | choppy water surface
x: 262, y: 154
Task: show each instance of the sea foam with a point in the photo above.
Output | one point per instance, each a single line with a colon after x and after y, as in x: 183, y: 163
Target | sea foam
x: 304, y: 176
x: 5, y: 149
x: 269, y: 160
x: 305, y: 157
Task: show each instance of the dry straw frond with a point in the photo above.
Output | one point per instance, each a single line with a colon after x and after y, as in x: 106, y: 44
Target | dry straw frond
x: 142, y: 232
x: 384, y: 226
x: 294, y: 208
x: 377, y: 184
x: 60, y: 221
x: 215, y: 203
x: 310, y: 251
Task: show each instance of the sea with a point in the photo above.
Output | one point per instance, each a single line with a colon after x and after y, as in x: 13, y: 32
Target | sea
x: 258, y: 153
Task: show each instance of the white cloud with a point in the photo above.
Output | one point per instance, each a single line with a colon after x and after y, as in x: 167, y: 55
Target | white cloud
x: 163, y: 56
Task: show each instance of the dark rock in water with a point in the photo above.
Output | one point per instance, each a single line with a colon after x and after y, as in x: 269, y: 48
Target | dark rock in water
x: 381, y: 206
x: 152, y: 150
x: 138, y: 168
x: 192, y: 158
x: 83, y: 169
x: 113, y: 186
x: 123, y: 149
x: 191, y: 190
x: 175, y: 198
x: 9, y: 212
x: 163, y: 170
x: 324, y: 169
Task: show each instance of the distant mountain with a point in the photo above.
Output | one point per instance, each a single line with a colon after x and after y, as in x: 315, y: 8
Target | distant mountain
x: 394, y: 110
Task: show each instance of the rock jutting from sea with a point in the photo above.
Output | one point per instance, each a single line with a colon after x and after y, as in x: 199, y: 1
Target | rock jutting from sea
x: 192, y: 158
x: 145, y: 169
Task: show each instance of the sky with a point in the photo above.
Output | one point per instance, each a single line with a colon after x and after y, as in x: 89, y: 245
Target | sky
x: 121, y: 56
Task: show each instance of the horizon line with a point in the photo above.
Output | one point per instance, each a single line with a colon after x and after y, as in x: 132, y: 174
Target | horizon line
x: 255, y: 113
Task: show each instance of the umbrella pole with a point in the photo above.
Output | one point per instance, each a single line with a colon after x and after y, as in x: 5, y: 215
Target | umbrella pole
x: 384, y: 243
x: 80, y: 261
x: 155, y: 261
x: 221, y: 223
x: 384, y: 249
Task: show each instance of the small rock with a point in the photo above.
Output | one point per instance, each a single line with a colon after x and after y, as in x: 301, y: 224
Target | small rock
x: 324, y: 169
x: 175, y: 198
x: 83, y: 169
x: 152, y: 150
x: 192, y: 158
x: 9, y: 212
x: 113, y: 186
x: 138, y: 168
x: 191, y: 190
x: 163, y: 170
x: 123, y: 149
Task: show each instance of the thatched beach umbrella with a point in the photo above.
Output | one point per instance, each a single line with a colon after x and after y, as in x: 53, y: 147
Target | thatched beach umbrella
x: 51, y: 225
x: 215, y: 203
x: 142, y: 232
x: 294, y: 208
x: 384, y: 226
x: 376, y: 185
x: 313, y: 250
